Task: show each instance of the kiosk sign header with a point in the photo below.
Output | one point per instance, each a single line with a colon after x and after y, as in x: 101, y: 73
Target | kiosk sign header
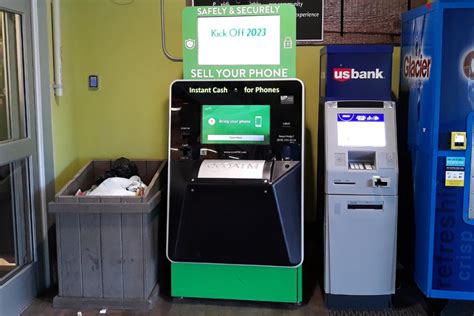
x: 357, y: 72
x: 239, y: 42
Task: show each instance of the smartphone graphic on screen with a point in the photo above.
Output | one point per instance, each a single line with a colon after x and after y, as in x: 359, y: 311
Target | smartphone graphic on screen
x: 258, y: 121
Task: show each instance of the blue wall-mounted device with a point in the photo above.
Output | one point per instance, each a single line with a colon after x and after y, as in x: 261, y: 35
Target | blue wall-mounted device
x: 94, y: 82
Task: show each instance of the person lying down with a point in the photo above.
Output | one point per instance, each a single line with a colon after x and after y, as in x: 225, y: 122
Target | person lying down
x: 121, y: 180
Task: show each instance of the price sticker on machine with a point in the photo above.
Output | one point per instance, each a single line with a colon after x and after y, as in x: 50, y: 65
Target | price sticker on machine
x: 455, y: 171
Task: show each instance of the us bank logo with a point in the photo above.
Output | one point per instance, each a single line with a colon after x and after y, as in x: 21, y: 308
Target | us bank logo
x: 346, y: 74
x: 468, y: 65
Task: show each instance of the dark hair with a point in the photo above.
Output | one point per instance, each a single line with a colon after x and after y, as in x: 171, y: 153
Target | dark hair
x: 121, y: 167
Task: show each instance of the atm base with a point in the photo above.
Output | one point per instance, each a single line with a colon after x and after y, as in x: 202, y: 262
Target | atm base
x: 236, y: 282
x: 358, y: 302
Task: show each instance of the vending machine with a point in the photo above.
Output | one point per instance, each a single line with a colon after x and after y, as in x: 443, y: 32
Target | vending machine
x: 437, y: 89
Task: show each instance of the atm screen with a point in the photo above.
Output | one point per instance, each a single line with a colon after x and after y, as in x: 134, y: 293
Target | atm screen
x: 235, y: 124
x: 361, y: 130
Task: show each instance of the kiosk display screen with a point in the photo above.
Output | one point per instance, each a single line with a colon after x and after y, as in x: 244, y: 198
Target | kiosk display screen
x: 361, y: 130
x: 235, y: 124
x: 245, y: 40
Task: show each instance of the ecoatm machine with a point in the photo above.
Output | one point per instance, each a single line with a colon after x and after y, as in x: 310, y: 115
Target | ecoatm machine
x: 361, y: 177
x: 235, y: 201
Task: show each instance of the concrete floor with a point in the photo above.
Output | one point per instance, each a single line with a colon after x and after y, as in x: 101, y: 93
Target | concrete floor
x: 406, y: 302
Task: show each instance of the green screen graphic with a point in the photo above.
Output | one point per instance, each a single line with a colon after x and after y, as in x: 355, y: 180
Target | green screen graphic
x: 236, y: 124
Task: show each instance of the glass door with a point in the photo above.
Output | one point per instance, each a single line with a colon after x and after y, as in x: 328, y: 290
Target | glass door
x: 18, y: 159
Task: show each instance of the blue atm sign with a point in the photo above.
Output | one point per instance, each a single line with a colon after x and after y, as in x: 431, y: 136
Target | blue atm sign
x: 357, y: 72
x: 360, y: 117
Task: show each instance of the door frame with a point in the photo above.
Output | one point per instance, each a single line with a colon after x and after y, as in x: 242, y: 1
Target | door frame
x: 43, y: 95
x: 20, y: 290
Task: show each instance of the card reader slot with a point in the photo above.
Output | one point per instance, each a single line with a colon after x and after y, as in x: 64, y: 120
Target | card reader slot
x: 365, y: 207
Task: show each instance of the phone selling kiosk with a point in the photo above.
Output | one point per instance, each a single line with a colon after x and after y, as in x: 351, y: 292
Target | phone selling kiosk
x: 236, y: 186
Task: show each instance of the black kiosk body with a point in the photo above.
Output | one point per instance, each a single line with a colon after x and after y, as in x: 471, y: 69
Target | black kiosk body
x: 235, y: 173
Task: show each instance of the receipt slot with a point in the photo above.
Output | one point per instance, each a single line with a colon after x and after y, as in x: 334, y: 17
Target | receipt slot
x: 361, y: 182
x: 235, y: 179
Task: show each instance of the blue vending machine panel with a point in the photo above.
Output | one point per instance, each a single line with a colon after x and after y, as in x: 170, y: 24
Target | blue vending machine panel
x: 437, y: 91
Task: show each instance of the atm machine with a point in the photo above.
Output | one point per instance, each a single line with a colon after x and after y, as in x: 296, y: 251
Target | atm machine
x: 358, y: 180
x: 361, y: 203
x: 236, y: 187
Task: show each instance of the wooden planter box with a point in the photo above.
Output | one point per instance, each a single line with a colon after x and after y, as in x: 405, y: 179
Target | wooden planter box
x: 108, y: 246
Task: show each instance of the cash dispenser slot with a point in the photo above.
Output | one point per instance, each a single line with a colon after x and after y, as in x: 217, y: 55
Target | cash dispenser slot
x: 361, y: 160
x: 371, y: 206
x: 345, y: 182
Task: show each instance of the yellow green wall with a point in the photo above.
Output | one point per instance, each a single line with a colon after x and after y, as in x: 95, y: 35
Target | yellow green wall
x: 62, y: 111
x: 127, y: 116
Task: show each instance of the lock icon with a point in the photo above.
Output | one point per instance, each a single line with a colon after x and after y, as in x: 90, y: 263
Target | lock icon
x: 287, y: 43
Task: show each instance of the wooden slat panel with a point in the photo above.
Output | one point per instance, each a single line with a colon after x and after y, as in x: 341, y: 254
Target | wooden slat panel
x: 141, y: 165
x: 67, y: 199
x: 151, y: 169
x: 133, y: 273
x: 89, y: 199
x: 70, y: 255
x: 110, y: 199
x: 85, y: 179
x: 112, y: 258
x: 100, y: 167
x: 150, y: 248
x: 131, y: 199
x: 91, y: 255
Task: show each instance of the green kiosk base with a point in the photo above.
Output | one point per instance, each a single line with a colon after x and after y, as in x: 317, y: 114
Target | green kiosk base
x: 237, y: 282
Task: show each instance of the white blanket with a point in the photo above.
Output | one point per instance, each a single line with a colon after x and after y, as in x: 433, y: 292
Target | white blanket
x: 119, y: 187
